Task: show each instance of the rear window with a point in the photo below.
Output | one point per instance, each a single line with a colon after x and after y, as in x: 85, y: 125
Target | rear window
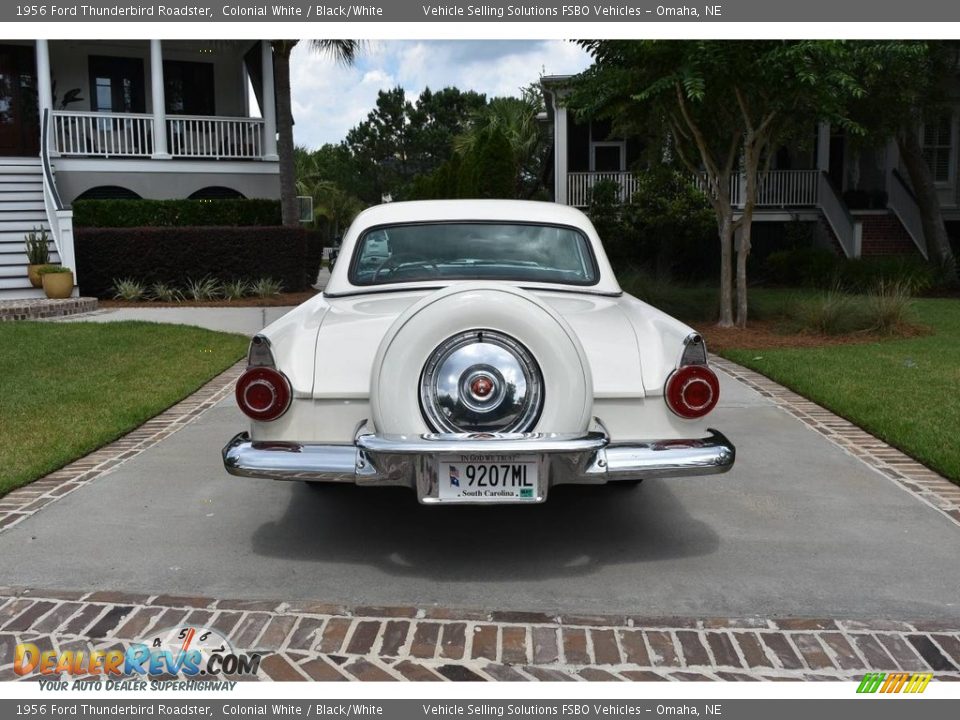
x: 473, y: 251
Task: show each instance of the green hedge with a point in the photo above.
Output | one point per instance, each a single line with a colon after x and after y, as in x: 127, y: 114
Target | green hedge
x: 175, y: 213
x: 824, y: 268
x: 174, y: 255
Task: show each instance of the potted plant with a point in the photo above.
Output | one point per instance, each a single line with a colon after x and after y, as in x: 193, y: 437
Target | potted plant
x: 38, y: 254
x: 57, y: 281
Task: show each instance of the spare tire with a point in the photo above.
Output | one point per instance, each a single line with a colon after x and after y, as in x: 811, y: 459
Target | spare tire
x: 478, y: 357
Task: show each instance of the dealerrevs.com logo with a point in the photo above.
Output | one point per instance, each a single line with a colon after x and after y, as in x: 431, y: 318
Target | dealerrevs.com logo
x: 189, y: 652
x: 894, y: 683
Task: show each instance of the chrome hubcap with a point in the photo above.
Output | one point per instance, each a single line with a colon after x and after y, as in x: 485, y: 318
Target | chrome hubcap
x: 481, y: 381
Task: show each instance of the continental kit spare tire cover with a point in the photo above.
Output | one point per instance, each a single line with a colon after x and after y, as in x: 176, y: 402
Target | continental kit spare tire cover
x: 478, y: 357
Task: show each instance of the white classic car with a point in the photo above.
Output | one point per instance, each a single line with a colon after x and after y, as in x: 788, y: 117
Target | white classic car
x: 476, y: 351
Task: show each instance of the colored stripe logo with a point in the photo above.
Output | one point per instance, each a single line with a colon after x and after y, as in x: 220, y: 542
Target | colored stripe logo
x: 894, y: 683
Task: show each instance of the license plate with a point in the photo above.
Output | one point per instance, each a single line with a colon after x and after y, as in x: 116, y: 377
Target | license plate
x: 469, y: 478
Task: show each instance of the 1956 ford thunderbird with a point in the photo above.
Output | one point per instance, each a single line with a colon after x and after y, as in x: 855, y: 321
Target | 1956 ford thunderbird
x: 476, y: 351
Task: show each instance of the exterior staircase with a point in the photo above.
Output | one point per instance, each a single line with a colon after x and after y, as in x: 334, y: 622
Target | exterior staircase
x: 21, y: 210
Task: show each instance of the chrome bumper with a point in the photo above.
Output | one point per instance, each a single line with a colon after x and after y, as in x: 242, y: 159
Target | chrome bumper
x: 412, y: 461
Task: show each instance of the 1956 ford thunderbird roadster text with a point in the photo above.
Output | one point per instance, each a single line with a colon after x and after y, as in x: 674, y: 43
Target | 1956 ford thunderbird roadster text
x: 476, y: 351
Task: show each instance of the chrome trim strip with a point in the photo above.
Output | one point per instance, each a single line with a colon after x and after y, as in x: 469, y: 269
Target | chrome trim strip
x: 482, y: 443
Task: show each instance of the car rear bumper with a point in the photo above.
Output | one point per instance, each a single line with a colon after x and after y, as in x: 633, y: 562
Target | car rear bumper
x: 413, y: 461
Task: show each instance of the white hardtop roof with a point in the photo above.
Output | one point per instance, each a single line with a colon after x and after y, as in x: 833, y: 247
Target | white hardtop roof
x: 507, y: 211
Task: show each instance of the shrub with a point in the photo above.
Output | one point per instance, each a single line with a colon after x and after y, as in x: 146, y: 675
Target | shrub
x: 867, y: 274
x: 38, y: 246
x: 667, y: 228
x: 162, y: 292
x: 266, y: 287
x: 171, y: 255
x: 127, y: 289
x: 206, y: 288
x: 802, y: 267
x: 236, y: 289
x: 606, y: 214
x: 831, y: 313
x: 175, y: 213
x: 890, y: 307
x: 673, y: 225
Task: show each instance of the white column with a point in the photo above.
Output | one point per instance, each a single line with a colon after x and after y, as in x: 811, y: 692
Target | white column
x: 559, y: 152
x: 823, y: 146
x: 159, y: 102
x: 44, y: 88
x: 269, y: 109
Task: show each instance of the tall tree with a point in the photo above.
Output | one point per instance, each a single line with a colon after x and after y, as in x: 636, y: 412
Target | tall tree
x: 516, y: 119
x: 400, y: 139
x: 343, y: 51
x: 725, y: 106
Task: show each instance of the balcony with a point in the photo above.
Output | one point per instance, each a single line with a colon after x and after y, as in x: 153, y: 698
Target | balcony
x: 777, y: 188
x: 131, y: 135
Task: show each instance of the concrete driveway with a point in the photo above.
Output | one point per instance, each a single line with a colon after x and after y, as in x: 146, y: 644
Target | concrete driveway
x: 799, y: 528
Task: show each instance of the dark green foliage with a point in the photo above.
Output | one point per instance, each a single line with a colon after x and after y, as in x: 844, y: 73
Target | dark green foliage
x: 667, y: 228
x: 175, y: 255
x: 175, y: 213
x: 867, y: 274
x: 607, y: 215
x: 401, y: 140
x: 823, y: 268
x: 673, y: 224
x: 802, y: 267
x: 486, y: 170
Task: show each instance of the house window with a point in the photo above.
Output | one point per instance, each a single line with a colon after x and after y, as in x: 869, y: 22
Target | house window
x: 188, y: 87
x: 117, y: 84
x: 937, y: 143
x: 606, y: 154
x: 607, y: 157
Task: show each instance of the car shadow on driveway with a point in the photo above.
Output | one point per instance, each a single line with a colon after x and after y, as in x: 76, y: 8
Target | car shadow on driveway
x: 577, y: 531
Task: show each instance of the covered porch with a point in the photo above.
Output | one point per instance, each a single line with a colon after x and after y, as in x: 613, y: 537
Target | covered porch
x: 157, y: 99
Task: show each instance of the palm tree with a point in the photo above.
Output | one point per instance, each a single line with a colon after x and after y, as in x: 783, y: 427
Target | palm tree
x: 342, y: 51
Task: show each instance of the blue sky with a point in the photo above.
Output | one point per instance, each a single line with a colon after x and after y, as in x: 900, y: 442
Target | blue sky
x: 329, y: 99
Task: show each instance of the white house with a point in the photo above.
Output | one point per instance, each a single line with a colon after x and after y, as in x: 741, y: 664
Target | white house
x: 126, y: 119
x: 858, y: 196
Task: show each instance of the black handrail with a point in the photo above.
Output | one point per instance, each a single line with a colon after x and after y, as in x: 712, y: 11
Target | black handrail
x: 903, y: 183
x: 45, y: 159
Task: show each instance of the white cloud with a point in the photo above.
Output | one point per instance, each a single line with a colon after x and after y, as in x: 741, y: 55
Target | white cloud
x: 329, y: 99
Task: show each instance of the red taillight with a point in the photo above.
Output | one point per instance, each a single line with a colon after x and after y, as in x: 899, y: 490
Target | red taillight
x: 692, y: 391
x: 263, y: 393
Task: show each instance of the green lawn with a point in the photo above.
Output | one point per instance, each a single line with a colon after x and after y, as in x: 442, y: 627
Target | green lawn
x: 69, y: 388
x: 906, y: 391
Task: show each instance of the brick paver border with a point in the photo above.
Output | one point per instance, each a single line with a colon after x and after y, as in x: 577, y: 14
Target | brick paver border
x: 320, y: 641
x: 24, y: 502
x: 42, y: 308
x: 920, y: 481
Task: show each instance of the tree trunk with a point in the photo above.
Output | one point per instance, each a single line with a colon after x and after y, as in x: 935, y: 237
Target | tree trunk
x: 288, y: 182
x: 725, y: 226
x: 743, y: 252
x: 934, y: 229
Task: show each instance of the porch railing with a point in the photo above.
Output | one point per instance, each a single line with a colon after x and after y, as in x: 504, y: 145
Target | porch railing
x: 59, y: 218
x: 580, y: 186
x: 847, y: 229
x: 102, y: 134
x: 215, y: 137
x: 131, y: 135
x: 787, y: 188
x: 901, y: 200
x: 775, y: 188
